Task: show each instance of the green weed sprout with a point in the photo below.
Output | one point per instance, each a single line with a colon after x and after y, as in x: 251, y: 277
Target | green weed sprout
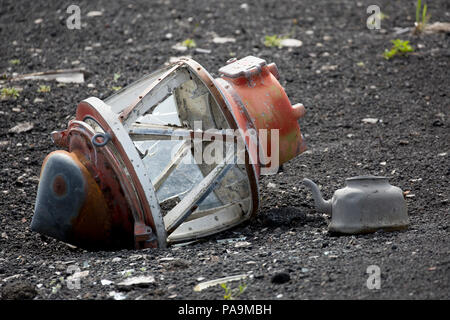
x: 273, y: 41
x: 422, y: 17
x: 9, y: 93
x: 44, y: 89
x: 14, y: 62
x: 232, y: 294
x: 189, y: 43
x: 399, y: 47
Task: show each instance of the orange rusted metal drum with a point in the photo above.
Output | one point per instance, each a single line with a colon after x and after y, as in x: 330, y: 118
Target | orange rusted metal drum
x: 258, y: 101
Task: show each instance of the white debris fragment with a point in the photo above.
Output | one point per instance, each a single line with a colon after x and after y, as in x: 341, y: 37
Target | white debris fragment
x: 242, y: 244
x: 166, y: 259
x: 221, y: 40
x: 117, y: 295
x: 443, y: 154
x: 79, y: 275
x: 370, y: 120
x: 3, y: 143
x: 203, y: 285
x: 200, y: 50
x: 64, y: 75
x: 11, y: 277
x: 271, y: 185
x: 94, y: 14
x: 179, y: 47
x: 105, y: 282
x: 291, y: 43
x: 38, y: 21
x: 329, y: 67
x: 137, y: 281
x: 22, y: 127
x: 383, y: 163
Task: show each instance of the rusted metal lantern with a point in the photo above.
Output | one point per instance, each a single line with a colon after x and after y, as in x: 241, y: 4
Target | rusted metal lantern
x: 131, y: 175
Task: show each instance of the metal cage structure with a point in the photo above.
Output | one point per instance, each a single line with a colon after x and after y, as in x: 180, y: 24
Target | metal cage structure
x: 131, y: 174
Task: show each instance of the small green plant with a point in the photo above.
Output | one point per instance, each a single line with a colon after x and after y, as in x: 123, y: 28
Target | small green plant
x: 399, y: 47
x: 273, y: 41
x: 189, y: 43
x: 14, y: 62
x: 43, y: 88
x: 116, y: 88
x: 9, y: 93
x: 116, y: 77
x: 422, y: 17
x: 383, y: 16
x: 232, y: 294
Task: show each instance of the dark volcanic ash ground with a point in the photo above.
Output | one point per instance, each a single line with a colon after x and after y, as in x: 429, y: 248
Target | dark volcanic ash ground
x: 341, y: 77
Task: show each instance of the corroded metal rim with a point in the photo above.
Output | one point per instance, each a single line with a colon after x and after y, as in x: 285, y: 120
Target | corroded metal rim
x: 151, y: 216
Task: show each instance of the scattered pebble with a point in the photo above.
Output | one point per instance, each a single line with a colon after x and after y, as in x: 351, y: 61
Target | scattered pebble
x: 3, y: 144
x: 271, y: 185
x: 244, y: 6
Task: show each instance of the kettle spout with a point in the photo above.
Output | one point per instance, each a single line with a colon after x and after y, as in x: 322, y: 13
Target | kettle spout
x: 321, y: 204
